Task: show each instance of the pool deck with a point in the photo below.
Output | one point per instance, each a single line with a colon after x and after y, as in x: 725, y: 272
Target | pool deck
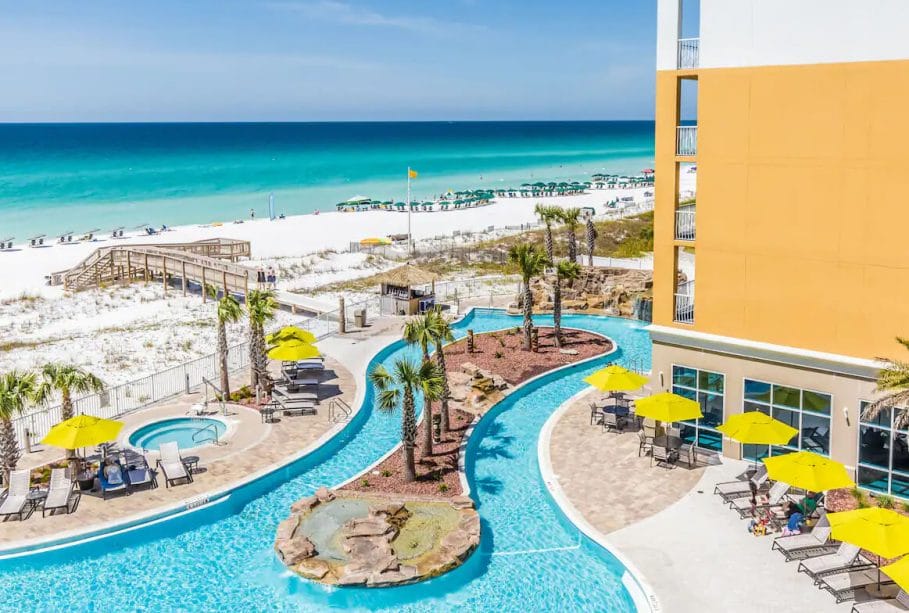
x: 694, y: 551
x: 253, y: 446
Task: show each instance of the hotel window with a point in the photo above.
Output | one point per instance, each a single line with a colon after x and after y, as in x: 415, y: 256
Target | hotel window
x: 805, y: 410
x: 707, y: 388
x: 883, y: 455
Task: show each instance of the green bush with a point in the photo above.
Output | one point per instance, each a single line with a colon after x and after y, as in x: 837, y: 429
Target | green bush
x: 884, y: 502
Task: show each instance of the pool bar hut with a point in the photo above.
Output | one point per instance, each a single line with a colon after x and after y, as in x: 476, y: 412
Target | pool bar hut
x: 405, y: 292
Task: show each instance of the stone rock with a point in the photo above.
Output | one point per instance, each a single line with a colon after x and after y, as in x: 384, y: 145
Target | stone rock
x: 314, y: 569
x: 389, y: 509
x: 470, y: 369
x: 287, y: 528
x: 357, y: 578
x: 304, y: 505
x: 462, y: 502
x: 367, y: 526
x: 294, y: 551
x: 324, y: 494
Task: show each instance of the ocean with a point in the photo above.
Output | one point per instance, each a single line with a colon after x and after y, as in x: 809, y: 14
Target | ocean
x: 57, y: 178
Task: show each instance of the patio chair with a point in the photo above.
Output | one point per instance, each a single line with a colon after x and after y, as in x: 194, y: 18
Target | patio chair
x: 596, y: 415
x: 774, y: 497
x: 690, y: 452
x: 611, y: 421
x: 61, y: 494
x: 112, y: 487
x: 646, y: 442
x: 16, y: 494
x: 664, y: 456
x: 729, y: 490
x: 172, y: 466
x: 846, y: 558
x: 843, y: 586
x: 800, y: 546
x: 890, y: 605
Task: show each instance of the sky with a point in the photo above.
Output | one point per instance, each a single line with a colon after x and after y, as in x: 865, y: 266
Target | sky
x: 326, y: 60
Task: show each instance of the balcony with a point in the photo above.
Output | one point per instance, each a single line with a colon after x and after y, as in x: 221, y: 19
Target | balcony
x: 689, y: 53
x: 684, y: 303
x: 686, y: 141
x: 684, y: 224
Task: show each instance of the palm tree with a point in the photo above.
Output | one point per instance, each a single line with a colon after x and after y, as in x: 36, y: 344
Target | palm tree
x: 591, y: 239
x: 17, y: 389
x: 564, y: 270
x: 400, y: 388
x: 229, y: 312
x: 531, y: 263
x: 441, y: 336
x: 422, y: 331
x: 261, y: 307
x: 570, y: 218
x: 893, y: 382
x: 66, y: 379
x: 549, y: 215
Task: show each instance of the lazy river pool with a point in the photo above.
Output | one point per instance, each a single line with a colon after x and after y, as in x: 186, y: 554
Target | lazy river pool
x: 220, y: 557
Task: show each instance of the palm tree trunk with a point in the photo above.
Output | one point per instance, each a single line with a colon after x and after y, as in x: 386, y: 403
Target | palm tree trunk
x: 253, y: 360
x: 408, y: 435
x: 427, y: 416
x: 572, y: 245
x: 222, y: 358
x: 591, y: 241
x: 446, y: 390
x: 261, y: 359
x: 67, y: 412
x: 549, y: 242
x: 557, y: 311
x: 9, y: 448
x: 528, y: 314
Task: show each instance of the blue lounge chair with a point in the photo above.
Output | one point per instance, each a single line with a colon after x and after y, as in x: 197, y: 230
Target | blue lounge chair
x: 108, y: 487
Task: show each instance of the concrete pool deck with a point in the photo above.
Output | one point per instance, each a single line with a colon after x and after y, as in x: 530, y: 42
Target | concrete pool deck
x: 692, y: 549
x: 254, y: 446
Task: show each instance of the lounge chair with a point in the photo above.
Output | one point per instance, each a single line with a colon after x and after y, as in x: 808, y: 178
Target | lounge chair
x: 774, y: 497
x: 843, y: 586
x: 171, y: 464
x: 16, y: 495
x: 846, y: 558
x: 891, y: 605
x: 60, y: 494
x: 140, y: 475
x: 108, y: 487
x: 812, y: 543
x: 728, y: 490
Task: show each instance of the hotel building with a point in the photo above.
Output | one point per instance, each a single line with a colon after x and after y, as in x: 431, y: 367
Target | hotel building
x: 778, y: 285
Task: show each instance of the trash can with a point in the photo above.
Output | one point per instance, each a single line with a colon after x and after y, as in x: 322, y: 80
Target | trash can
x: 360, y: 318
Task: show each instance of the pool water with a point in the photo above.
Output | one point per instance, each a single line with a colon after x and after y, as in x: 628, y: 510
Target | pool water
x: 187, y: 432
x: 531, y: 558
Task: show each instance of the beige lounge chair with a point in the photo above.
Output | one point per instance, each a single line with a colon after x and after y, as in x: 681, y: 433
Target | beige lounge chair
x: 843, y: 586
x: 60, y: 494
x: 727, y: 490
x: 800, y: 546
x: 774, y: 496
x: 172, y: 466
x: 14, y: 503
x: 890, y: 605
x: 846, y: 558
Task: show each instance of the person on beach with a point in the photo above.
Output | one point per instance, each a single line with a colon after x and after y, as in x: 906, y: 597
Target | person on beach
x: 272, y: 278
x: 260, y: 278
x: 252, y: 213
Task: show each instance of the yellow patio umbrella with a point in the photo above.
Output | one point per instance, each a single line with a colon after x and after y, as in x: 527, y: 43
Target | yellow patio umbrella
x: 756, y: 428
x: 808, y: 471
x: 82, y: 431
x: 615, y: 378
x: 667, y: 407
x: 290, y: 333
x: 883, y: 532
x: 899, y: 572
x: 293, y: 351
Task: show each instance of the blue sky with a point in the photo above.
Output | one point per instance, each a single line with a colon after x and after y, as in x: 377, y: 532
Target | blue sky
x: 224, y: 60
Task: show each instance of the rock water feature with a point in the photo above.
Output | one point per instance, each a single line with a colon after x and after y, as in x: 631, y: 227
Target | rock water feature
x: 348, y: 539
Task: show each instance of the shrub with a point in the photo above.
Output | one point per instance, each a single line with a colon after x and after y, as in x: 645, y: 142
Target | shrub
x: 499, y: 355
x: 443, y: 488
x: 884, y: 502
x: 386, y: 473
x: 365, y: 482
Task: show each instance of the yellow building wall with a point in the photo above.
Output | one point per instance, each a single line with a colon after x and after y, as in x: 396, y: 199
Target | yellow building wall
x: 802, y: 208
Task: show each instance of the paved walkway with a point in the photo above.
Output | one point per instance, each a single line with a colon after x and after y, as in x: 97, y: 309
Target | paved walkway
x: 693, y: 550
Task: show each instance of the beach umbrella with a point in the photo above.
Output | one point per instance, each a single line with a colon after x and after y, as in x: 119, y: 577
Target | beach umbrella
x: 899, y: 572
x: 615, y: 378
x: 293, y: 351
x: 808, y: 471
x: 756, y: 428
x: 290, y: 333
x: 667, y: 407
x: 883, y: 532
x: 82, y: 431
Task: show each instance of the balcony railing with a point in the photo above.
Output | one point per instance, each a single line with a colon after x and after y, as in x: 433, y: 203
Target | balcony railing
x: 689, y: 52
x: 686, y: 142
x: 684, y: 224
x: 684, y: 309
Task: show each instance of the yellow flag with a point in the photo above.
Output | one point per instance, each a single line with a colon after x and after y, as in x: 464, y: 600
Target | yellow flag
x: 411, y: 173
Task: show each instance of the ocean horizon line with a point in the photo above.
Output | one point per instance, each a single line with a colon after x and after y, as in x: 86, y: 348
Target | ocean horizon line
x: 319, y: 122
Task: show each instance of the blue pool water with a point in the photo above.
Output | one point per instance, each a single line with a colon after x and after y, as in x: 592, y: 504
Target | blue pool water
x: 221, y: 557
x: 187, y: 432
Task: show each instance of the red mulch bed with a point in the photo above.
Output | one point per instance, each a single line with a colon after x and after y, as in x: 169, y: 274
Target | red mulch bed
x: 516, y: 365
x: 439, y: 468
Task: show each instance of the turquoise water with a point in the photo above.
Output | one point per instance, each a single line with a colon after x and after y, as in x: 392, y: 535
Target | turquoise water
x: 221, y: 558
x: 187, y: 432
x: 78, y: 177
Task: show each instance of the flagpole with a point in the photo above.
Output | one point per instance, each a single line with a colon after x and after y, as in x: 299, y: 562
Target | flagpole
x: 409, y: 211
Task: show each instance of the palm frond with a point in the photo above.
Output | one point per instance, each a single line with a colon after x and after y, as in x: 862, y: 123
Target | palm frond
x: 389, y: 400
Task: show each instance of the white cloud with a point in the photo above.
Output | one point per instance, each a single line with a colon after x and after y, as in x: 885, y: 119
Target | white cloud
x: 343, y: 13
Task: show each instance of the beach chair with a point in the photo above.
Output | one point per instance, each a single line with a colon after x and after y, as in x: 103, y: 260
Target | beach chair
x: 727, y: 490
x: 60, y: 494
x: 172, y: 466
x: 800, y: 546
x: 890, y: 605
x: 140, y: 475
x: 774, y: 497
x: 846, y: 558
x: 14, y: 503
x: 843, y: 586
x: 109, y: 487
